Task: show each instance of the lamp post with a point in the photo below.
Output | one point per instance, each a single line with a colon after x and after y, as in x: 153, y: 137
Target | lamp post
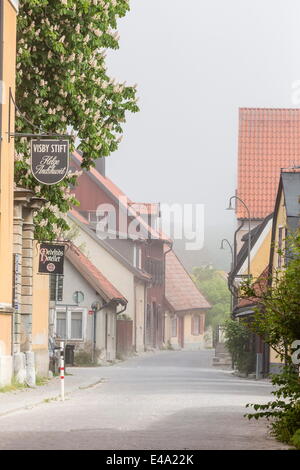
x: 249, y: 227
x: 231, y: 249
x: 231, y: 268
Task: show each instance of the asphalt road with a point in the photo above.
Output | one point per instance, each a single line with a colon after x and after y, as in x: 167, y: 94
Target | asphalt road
x: 166, y: 400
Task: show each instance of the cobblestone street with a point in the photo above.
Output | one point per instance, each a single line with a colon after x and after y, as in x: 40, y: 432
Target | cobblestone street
x: 164, y: 400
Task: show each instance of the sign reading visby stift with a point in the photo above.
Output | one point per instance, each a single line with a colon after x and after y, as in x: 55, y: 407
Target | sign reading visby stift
x: 51, y: 259
x: 49, y: 160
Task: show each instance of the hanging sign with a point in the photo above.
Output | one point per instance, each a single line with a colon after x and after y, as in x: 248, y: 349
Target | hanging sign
x: 49, y: 160
x: 51, y: 259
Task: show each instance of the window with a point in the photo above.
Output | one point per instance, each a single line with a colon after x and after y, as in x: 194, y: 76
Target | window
x: 61, y: 324
x: 174, y: 327
x: 137, y: 256
x: 76, y: 325
x: 196, y: 325
x: 70, y: 323
x: 155, y: 268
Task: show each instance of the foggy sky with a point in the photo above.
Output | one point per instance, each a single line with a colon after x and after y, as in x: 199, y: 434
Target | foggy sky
x: 196, y: 62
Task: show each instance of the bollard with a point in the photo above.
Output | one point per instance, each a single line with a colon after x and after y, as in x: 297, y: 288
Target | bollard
x: 62, y: 371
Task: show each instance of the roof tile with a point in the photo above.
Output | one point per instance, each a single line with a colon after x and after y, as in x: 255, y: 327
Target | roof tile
x: 181, y: 292
x: 269, y: 139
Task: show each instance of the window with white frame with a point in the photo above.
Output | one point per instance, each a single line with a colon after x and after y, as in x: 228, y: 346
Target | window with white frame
x: 76, y: 325
x: 174, y: 327
x: 70, y: 323
x: 61, y: 324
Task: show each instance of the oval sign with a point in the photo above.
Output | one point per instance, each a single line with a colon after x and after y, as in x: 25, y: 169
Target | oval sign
x: 49, y: 160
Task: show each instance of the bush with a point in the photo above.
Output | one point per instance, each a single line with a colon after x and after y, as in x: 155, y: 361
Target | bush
x: 84, y: 356
x: 237, y: 338
x: 296, y: 439
x: 284, y: 411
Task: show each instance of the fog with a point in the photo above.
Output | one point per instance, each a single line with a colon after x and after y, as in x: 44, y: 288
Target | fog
x: 196, y: 62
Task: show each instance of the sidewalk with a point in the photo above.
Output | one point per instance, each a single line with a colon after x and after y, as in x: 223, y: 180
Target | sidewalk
x: 82, y: 377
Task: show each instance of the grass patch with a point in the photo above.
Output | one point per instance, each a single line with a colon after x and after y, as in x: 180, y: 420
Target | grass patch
x: 40, y: 380
x: 49, y: 400
x: 15, y: 385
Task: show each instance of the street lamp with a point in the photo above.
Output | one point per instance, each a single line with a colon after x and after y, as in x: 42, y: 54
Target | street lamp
x: 249, y: 227
x: 231, y: 249
x: 231, y: 268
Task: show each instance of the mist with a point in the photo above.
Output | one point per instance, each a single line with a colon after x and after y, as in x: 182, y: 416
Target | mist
x: 195, y: 63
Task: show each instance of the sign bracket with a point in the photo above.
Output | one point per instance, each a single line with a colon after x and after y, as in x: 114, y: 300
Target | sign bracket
x: 40, y: 134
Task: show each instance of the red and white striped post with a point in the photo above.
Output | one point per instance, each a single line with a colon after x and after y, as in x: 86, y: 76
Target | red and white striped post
x: 62, y: 371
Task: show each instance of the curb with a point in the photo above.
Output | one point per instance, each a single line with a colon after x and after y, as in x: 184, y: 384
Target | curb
x: 55, y: 397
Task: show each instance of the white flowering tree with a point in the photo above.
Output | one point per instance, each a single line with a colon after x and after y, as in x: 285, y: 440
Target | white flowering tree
x: 63, y: 84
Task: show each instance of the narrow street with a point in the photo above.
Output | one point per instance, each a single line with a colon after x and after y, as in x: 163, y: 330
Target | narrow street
x: 165, y: 400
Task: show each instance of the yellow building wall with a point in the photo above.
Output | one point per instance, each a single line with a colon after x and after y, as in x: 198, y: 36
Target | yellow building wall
x: 260, y: 261
x: 191, y: 340
x: 5, y: 335
x: 281, y: 221
x: 168, y: 338
x: 139, y: 316
x: 6, y: 178
x: 40, y: 306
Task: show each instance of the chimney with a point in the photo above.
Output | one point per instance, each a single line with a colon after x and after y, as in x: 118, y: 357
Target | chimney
x: 100, y: 165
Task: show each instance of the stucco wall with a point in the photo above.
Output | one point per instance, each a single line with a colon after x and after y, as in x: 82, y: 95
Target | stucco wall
x: 7, y: 156
x: 140, y: 316
x: 275, y: 362
x: 121, y: 277
x: 105, y: 319
x: 281, y: 221
x: 192, y: 341
x: 40, y: 314
x: 8, y: 52
x: 260, y: 253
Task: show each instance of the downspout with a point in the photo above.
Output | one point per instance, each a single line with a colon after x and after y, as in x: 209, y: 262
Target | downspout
x: 106, y: 304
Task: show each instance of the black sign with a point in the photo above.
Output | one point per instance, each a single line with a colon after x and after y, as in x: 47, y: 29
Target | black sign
x: 49, y: 160
x: 51, y: 259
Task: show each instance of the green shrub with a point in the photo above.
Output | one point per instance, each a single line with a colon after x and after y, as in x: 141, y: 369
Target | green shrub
x: 296, y: 439
x: 283, y: 412
x: 237, y: 338
x: 86, y: 356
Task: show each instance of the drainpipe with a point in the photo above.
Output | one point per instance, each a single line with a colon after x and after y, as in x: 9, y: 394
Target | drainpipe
x: 96, y: 310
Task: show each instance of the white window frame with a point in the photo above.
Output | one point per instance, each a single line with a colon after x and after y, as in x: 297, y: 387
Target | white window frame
x: 68, y: 310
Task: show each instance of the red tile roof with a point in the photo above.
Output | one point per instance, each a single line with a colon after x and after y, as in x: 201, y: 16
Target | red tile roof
x: 259, y: 286
x: 92, y: 275
x: 146, y: 208
x: 269, y: 139
x: 181, y: 292
x: 123, y: 200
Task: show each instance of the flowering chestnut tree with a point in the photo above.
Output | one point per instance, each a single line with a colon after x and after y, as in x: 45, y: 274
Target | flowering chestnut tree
x: 63, y: 87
